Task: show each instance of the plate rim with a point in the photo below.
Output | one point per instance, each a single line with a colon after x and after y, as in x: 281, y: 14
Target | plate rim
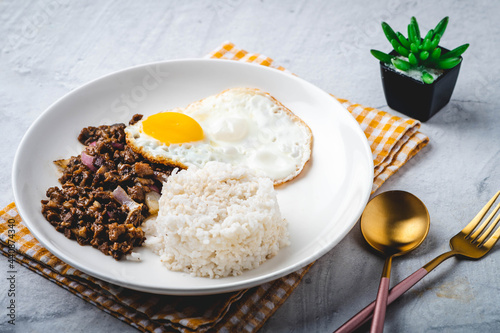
x: 195, y: 290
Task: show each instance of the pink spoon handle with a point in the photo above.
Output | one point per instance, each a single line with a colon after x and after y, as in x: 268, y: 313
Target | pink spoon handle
x: 364, y: 315
x: 380, y: 306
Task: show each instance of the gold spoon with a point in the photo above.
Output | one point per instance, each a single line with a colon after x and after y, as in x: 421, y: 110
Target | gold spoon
x: 393, y: 223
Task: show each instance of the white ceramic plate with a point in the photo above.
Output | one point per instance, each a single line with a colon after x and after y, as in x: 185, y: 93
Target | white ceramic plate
x: 321, y: 205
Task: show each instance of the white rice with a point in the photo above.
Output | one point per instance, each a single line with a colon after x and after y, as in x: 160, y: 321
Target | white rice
x: 216, y: 221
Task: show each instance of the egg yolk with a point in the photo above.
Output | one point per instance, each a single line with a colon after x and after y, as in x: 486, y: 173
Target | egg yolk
x: 172, y: 127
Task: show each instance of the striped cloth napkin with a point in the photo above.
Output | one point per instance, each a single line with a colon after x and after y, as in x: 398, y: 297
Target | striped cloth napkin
x: 393, y: 141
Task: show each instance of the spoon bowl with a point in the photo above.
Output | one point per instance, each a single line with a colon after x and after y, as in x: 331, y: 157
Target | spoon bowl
x: 393, y: 223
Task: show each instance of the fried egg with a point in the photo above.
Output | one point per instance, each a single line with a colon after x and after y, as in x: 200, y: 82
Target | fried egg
x: 239, y: 126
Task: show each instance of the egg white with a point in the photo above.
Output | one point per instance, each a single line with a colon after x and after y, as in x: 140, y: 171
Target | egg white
x: 241, y: 126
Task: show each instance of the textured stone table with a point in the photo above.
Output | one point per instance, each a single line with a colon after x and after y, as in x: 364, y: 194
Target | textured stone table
x: 51, y: 47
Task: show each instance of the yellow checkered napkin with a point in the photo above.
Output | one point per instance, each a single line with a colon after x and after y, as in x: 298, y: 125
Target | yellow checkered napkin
x: 393, y: 141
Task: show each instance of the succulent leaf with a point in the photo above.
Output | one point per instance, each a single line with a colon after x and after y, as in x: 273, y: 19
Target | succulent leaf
x: 413, y: 21
x: 424, y: 55
x: 441, y: 26
x: 395, y: 44
x: 401, y: 64
x: 414, y: 48
x: 412, y: 35
x: 447, y: 63
x: 404, y: 52
x: 386, y: 58
x: 389, y: 33
x: 403, y: 40
x: 435, y: 41
x: 427, y: 78
x: 412, y: 59
x: 436, y: 54
x: 429, y: 34
x: 426, y: 46
x: 455, y: 53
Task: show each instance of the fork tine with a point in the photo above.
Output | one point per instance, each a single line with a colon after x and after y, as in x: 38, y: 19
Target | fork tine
x: 489, y: 230
x: 484, y: 224
x: 493, y: 238
x: 475, y: 221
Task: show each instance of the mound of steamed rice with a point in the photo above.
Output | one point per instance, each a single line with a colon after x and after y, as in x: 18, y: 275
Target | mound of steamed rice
x: 216, y: 221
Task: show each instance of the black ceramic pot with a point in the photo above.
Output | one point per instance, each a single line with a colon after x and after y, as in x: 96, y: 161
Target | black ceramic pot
x: 414, y: 98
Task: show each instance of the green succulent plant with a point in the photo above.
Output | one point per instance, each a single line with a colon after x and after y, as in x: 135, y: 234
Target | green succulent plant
x: 421, y: 52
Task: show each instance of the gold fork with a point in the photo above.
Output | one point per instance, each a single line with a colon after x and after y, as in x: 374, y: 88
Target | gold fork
x: 473, y: 242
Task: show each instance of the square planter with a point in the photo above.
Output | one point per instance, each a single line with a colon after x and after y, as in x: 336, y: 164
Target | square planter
x: 414, y: 98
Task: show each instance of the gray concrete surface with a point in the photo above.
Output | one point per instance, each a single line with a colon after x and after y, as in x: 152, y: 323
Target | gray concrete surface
x: 50, y: 47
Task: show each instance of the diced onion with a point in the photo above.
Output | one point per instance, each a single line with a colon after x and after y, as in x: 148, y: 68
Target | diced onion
x: 155, y: 188
x: 152, y: 199
x: 88, y: 161
x: 117, y: 145
x: 122, y: 197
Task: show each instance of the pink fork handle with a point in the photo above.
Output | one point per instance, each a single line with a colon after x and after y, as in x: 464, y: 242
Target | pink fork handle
x: 380, y: 306
x: 364, y: 315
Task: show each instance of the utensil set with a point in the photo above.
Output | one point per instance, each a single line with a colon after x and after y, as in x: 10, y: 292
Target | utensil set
x: 472, y: 242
